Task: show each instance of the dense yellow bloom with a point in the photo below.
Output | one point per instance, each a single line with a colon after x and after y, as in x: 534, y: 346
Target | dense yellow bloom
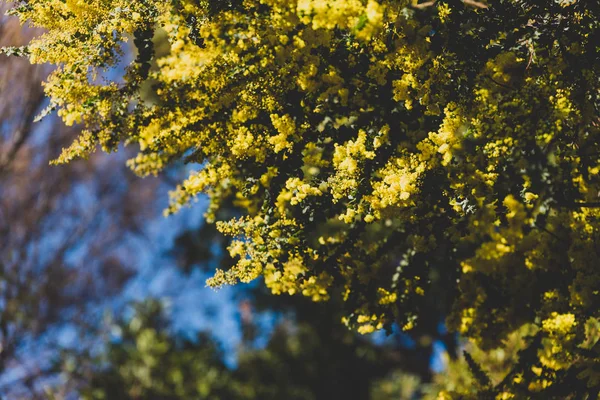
x: 386, y: 151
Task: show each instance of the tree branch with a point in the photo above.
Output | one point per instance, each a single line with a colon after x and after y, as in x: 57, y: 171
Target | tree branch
x: 473, y: 3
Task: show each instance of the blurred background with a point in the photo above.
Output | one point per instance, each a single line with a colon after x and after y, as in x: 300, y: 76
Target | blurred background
x: 101, y: 297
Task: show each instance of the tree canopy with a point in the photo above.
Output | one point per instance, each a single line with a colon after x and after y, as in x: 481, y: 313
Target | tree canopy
x: 301, y: 361
x: 404, y: 157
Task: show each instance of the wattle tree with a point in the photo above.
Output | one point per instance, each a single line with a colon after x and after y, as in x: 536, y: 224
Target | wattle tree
x: 408, y: 158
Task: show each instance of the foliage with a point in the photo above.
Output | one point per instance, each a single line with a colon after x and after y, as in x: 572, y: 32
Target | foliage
x: 148, y: 361
x: 391, y: 154
x: 66, y: 235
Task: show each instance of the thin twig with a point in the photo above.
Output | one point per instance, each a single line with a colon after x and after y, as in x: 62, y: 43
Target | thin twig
x: 475, y: 4
x: 472, y: 3
x: 423, y: 5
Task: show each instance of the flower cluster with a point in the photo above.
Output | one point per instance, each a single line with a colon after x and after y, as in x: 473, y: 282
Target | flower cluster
x: 383, y: 151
